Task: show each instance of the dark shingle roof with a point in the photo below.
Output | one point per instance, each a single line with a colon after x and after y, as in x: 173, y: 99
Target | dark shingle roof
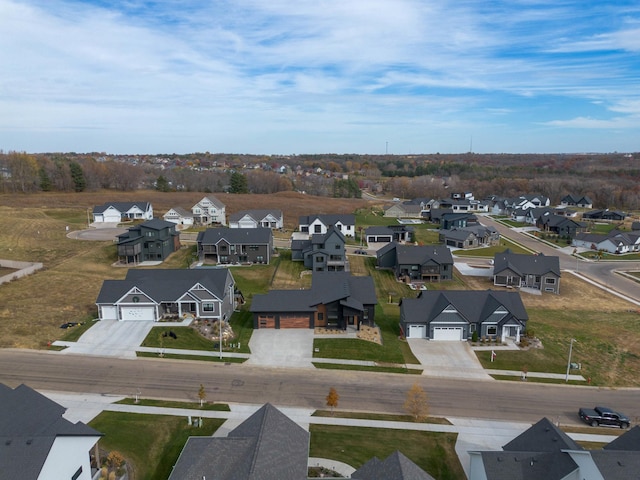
x: 268, y: 445
x: 629, y: 441
x: 165, y: 285
x: 29, y: 425
x: 527, y: 465
x: 395, y: 467
x: 328, y: 219
x: 544, y: 436
x: 526, y: 264
x: 422, y: 254
x: 122, y: 206
x: 617, y: 465
x: 260, y: 235
x: 257, y: 215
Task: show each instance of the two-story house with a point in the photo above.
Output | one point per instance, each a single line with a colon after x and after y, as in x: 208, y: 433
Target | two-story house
x: 154, y: 240
x: 235, y: 245
x: 321, y: 252
x: 345, y: 223
x: 208, y: 211
x: 423, y: 263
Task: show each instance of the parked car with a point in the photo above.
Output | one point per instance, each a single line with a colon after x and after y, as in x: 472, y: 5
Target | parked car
x: 361, y: 252
x: 603, y: 416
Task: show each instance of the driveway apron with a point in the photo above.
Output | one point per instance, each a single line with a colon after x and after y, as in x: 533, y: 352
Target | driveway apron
x: 447, y: 359
x: 281, y: 348
x: 111, y: 338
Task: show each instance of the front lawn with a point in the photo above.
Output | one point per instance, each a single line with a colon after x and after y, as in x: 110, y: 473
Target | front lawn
x: 151, y: 444
x: 433, y: 452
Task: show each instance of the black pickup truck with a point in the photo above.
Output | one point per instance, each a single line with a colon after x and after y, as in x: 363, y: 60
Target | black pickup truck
x: 603, y: 416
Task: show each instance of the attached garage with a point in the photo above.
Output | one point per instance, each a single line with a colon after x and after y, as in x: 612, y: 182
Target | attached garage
x: 294, y: 321
x: 109, y: 312
x: 137, y: 313
x: 447, y: 333
x: 417, y: 331
x: 266, y: 321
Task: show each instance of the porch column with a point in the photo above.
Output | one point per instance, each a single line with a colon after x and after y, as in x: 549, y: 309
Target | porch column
x: 518, y: 334
x: 504, y: 334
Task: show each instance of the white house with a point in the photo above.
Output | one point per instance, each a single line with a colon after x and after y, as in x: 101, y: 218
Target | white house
x: 344, y: 223
x: 257, y: 218
x: 209, y: 210
x: 38, y: 443
x: 179, y: 216
x: 116, y: 212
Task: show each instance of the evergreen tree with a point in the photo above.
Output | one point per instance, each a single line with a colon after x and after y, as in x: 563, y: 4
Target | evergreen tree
x: 45, y: 181
x: 162, y: 184
x: 79, y: 182
x: 238, y: 183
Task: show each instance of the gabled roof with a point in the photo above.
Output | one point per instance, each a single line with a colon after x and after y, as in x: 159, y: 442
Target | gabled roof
x: 328, y: 219
x: 29, y: 425
x: 378, y: 230
x: 213, y: 200
x: 544, y: 436
x: 526, y: 264
x: 527, y: 465
x: 122, y: 206
x: 155, y: 224
x: 256, y: 215
x: 475, y: 306
x: 165, y: 285
x: 395, y: 467
x: 267, y: 445
x: 181, y: 211
x: 629, y: 441
x: 423, y: 254
x: 320, y: 238
x: 260, y: 235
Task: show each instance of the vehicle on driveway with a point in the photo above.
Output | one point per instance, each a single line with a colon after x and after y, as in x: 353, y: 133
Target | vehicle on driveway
x: 603, y: 416
x: 360, y: 252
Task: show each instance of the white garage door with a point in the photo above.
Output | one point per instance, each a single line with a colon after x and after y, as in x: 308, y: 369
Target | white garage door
x: 447, y: 333
x: 108, y: 312
x: 137, y: 313
x: 417, y: 331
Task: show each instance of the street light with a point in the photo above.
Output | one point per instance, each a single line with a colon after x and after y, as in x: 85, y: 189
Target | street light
x: 566, y: 378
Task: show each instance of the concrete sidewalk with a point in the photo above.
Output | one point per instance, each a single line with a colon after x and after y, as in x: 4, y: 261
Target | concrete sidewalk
x: 473, y: 434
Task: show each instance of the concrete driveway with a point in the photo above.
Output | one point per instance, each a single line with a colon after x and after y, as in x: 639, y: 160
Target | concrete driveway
x: 110, y: 338
x: 447, y: 359
x: 282, y: 348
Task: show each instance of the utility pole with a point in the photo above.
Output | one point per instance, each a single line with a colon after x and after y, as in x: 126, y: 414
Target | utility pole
x: 566, y: 378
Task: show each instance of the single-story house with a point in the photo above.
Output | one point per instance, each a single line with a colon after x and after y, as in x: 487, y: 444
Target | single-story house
x: 403, y: 210
x: 457, y: 314
x: 611, y: 215
x: 614, y: 242
x: 470, y: 237
x: 582, y: 201
x: 235, y: 245
x: 209, y: 210
x: 422, y: 263
x: 154, y: 240
x: 540, y: 272
x: 151, y: 295
x: 179, y: 216
x: 335, y: 299
x: 562, y: 226
x: 345, y: 223
x: 545, y: 451
x: 116, y: 212
x: 388, y: 234
x: 321, y: 252
x: 38, y: 443
x: 257, y: 218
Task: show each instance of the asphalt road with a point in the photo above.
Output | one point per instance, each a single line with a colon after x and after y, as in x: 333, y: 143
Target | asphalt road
x: 376, y: 392
x: 601, y: 272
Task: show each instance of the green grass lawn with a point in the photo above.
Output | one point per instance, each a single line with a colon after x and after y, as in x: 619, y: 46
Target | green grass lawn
x: 366, y: 368
x: 388, y: 417
x: 490, y: 252
x: 148, y: 402
x: 433, y: 452
x: 150, y: 443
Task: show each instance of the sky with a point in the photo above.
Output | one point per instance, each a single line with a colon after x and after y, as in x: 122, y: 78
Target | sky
x: 284, y: 77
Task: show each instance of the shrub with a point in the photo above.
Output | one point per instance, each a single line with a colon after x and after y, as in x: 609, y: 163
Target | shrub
x: 474, y: 337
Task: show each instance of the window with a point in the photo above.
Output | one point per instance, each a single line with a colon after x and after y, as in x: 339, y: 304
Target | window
x: 208, y: 307
x: 337, y: 246
x: 150, y: 234
x: 550, y: 281
x: 320, y: 316
x: 253, y: 248
x: 317, y: 228
x: 414, y: 268
x: 492, y: 330
x: 223, y: 248
x: 224, y: 259
x: 319, y: 259
x: 77, y: 474
x: 260, y: 259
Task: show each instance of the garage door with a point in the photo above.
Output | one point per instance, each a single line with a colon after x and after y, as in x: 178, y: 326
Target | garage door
x: 417, y: 331
x: 137, y: 313
x: 294, y: 321
x: 108, y: 313
x: 447, y: 333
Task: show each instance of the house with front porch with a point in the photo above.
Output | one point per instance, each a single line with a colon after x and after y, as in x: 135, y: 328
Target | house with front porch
x: 154, y: 240
x: 153, y: 295
x: 268, y: 218
x: 581, y: 201
x: 225, y: 245
x: 209, y: 210
x: 335, y: 300
x: 516, y: 270
x: 345, y: 223
x: 457, y: 314
x: 561, y: 226
x: 417, y: 263
x: 470, y: 237
x: 116, y: 212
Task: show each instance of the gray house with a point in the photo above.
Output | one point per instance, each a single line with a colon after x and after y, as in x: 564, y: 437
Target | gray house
x: 545, y: 451
x: 456, y: 314
x: 388, y: 234
x: 335, y: 299
x: 151, y: 295
x: 539, y: 272
x: 154, y: 240
x: 235, y: 245
x: 321, y: 252
x: 423, y: 263
x: 257, y: 218
x: 470, y: 237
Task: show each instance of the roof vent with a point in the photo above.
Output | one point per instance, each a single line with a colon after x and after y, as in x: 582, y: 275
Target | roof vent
x: 620, y: 463
x: 8, y: 442
x: 29, y: 441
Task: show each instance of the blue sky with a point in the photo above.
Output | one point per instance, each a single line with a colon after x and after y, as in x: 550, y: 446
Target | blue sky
x: 320, y: 76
